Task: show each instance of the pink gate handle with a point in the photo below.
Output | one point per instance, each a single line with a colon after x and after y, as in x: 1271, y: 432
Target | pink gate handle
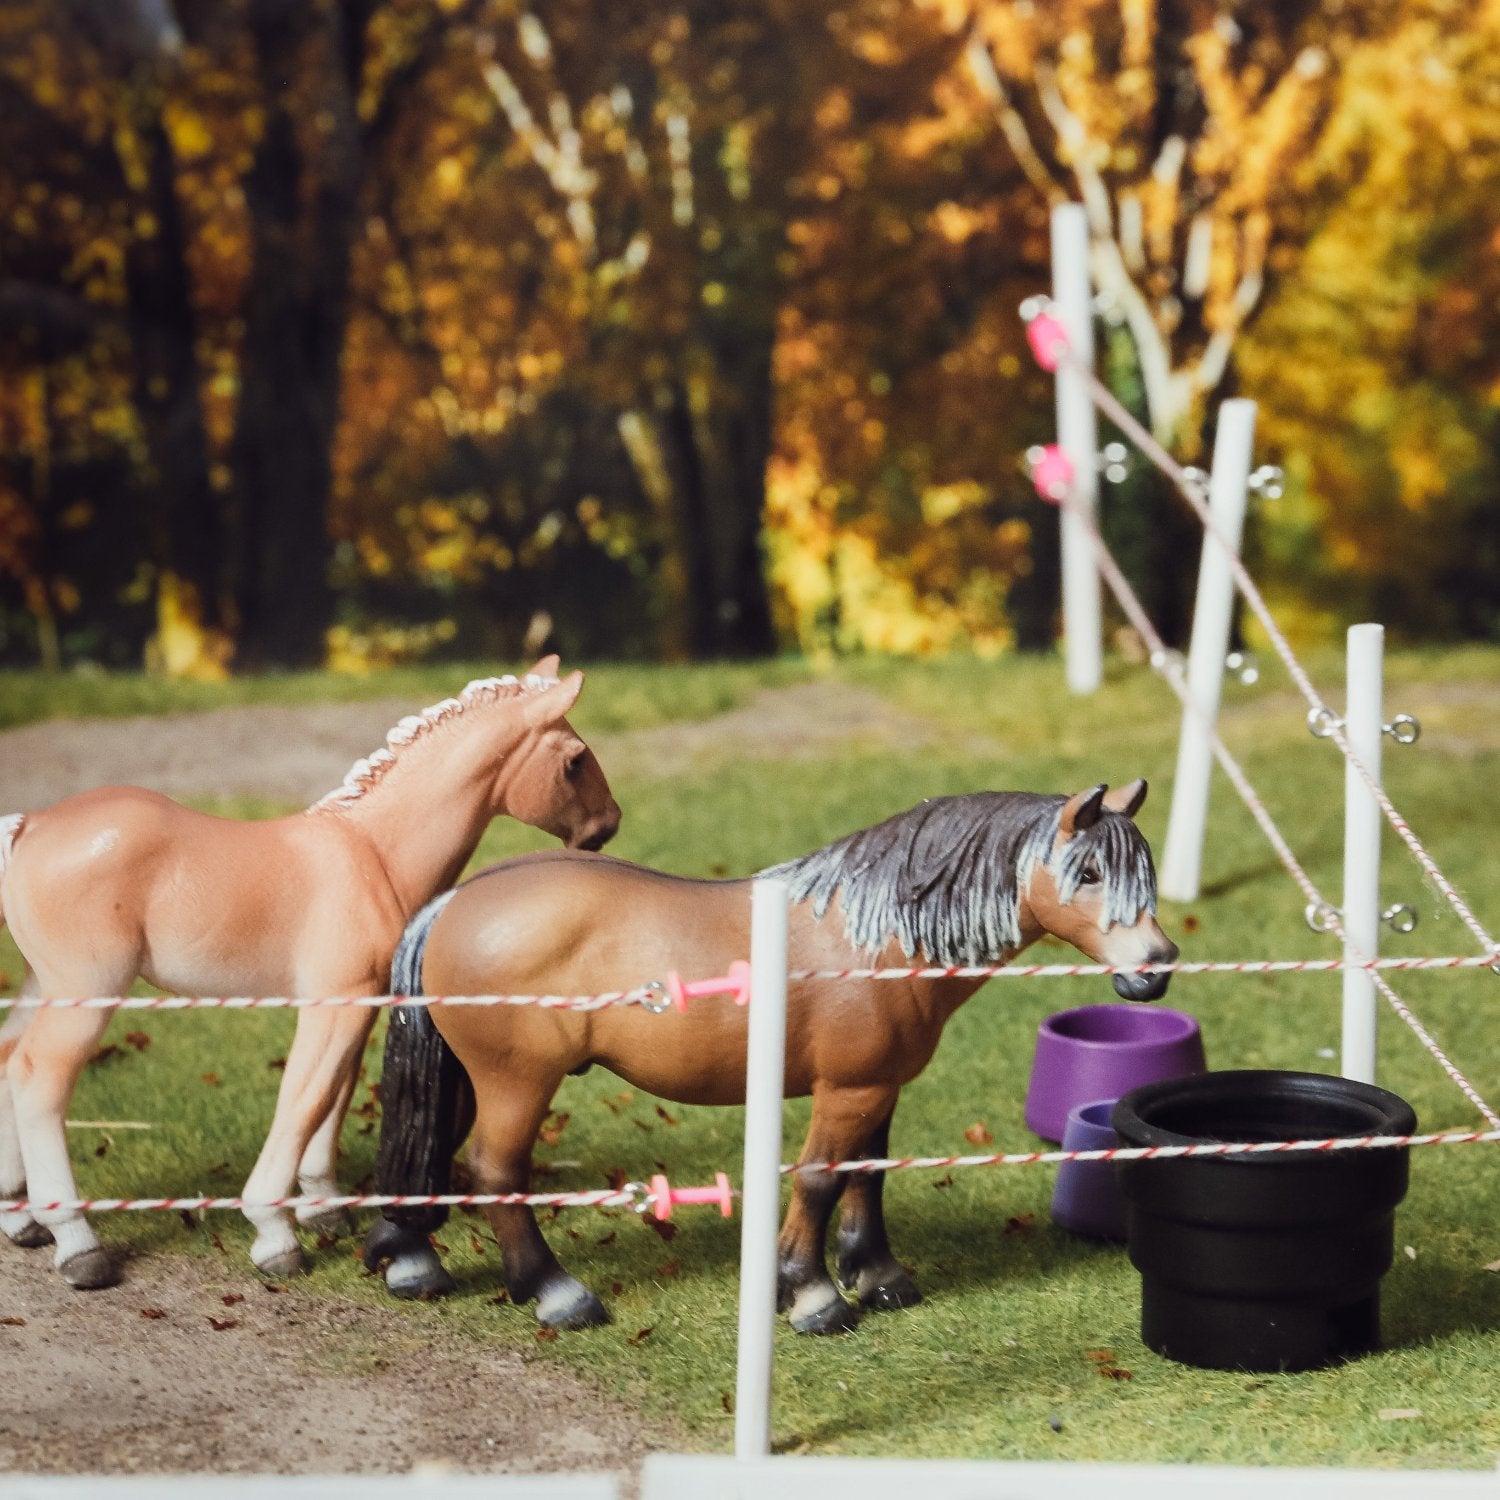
x: 664, y: 1196
x: 736, y: 983
x: 1052, y: 473
x: 1048, y: 340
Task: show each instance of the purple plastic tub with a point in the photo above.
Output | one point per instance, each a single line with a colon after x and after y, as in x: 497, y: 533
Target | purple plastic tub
x: 1102, y: 1052
x: 1087, y: 1198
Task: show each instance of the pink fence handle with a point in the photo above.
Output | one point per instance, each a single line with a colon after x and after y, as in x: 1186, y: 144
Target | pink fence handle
x: 1048, y: 340
x: 664, y: 1196
x: 736, y: 982
x: 1052, y: 473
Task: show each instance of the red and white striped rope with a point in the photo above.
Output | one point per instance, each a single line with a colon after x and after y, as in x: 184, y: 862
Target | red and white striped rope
x: 636, y: 996
x: 1170, y: 670
x: 1194, y: 493
x: 1149, y: 1153
x: 638, y: 1196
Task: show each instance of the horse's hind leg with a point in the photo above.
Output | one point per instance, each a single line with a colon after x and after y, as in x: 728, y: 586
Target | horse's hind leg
x: 43, y: 1070
x: 840, y: 1125
x: 510, y: 1113
x: 866, y: 1265
x: 315, y: 1172
x: 18, y: 1226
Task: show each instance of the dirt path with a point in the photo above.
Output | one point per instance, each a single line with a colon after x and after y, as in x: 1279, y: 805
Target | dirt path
x: 138, y: 1379
x: 296, y: 753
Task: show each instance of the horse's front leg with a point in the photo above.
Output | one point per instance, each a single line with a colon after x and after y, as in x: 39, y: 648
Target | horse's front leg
x: 315, y: 1172
x: 841, y: 1123
x: 866, y: 1265
x: 18, y: 1226
x: 510, y: 1114
x: 320, y: 1066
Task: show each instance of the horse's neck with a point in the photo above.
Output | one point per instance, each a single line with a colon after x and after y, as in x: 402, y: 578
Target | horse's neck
x: 426, y: 814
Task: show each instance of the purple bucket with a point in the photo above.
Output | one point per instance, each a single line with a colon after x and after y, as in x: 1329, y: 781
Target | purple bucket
x: 1102, y: 1052
x: 1087, y: 1198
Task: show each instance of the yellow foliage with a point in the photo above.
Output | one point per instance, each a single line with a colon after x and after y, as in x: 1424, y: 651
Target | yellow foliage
x: 183, y: 645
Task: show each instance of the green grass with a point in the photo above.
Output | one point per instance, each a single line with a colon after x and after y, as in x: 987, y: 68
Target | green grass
x: 998, y: 1356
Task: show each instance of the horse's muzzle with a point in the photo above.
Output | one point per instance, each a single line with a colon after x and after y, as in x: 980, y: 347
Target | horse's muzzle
x: 1141, y: 986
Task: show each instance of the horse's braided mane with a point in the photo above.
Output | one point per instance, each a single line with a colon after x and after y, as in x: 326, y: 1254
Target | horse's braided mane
x: 366, y: 773
x: 945, y: 878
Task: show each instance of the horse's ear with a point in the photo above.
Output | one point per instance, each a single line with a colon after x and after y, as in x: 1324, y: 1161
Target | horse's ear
x: 547, y: 667
x: 1081, y: 811
x: 1127, y: 799
x: 553, y: 703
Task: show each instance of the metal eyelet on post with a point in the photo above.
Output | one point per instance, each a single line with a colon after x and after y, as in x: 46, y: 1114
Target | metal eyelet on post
x: 654, y: 997
x: 1321, y: 916
x: 1244, y: 665
x: 1400, y: 917
x: 1405, y: 729
x: 1322, y: 722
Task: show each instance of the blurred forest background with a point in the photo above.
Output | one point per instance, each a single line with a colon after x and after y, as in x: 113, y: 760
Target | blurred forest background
x: 361, y: 330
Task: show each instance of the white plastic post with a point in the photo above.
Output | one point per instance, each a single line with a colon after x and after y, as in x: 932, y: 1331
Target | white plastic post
x: 1363, y: 717
x: 1182, y: 856
x: 1077, y: 435
x: 760, y: 1203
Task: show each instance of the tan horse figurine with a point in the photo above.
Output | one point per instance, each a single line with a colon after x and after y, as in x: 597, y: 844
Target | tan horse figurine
x: 966, y: 880
x: 119, y: 883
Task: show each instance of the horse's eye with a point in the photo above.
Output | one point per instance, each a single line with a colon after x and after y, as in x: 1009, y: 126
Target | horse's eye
x: 1090, y: 875
x: 573, y: 765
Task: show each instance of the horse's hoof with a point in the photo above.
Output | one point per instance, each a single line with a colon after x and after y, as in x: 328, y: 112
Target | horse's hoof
x: 283, y: 1264
x: 571, y: 1305
x: 891, y: 1295
x: 88, y: 1270
x: 31, y: 1236
x: 336, y: 1223
x: 836, y: 1316
x: 418, y: 1276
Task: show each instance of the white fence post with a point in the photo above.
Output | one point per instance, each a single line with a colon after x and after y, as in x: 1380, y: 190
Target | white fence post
x: 1182, y: 857
x: 1077, y: 435
x: 1363, y: 716
x: 760, y: 1204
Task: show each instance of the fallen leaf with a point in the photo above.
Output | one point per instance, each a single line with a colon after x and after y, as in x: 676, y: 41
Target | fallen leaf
x: 13, y: 1322
x: 641, y: 1125
x: 978, y: 1134
x: 639, y: 1337
x: 626, y: 1097
x: 220, y: 1324
x: 1100, y: 1356
x: 432, y: 1240
x: 230, y: 1298
x: 500, y: 1299
x: 1020, y: 1224
x: 1114, y: 1372
x: 105, y: 1053
x: 616, y: 1288
x: 279, y: 1063
x: 552, y: 1128
x: 212, y: 1080
x: 102, y: 1149
x: 664, y: 1227
x: 574, y: 1234
x: 727, y: 1402
x: 661, y: 1114
x: 1190, y: 923
x: 1399, y: 1413
x: 617, y: 1177
x: 670, y: 1269
x: 609, y: 1104
x: 140, y: 1040
x: 475, y: 1243
x: 275, y: 1286
x: 545, y: 1335
x: 607, y: 1239
x: 325, y: 1242
x: 945, y: 1181
x: 152, y: 1312
x: 188, y: 1221
x: 218, y: 1169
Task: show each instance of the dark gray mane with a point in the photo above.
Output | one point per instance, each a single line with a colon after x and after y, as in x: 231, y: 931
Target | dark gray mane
x: 945, y: 879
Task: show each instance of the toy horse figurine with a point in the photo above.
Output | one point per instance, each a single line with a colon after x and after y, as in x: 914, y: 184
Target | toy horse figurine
x: 966, y: 880
x: 112, y: 884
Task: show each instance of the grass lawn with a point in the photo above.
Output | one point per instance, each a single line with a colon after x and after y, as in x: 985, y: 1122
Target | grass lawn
x: 996, y: 1362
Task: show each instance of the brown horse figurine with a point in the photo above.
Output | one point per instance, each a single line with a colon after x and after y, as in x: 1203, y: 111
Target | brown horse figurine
x: 119, y: 883
x: 956, y: 881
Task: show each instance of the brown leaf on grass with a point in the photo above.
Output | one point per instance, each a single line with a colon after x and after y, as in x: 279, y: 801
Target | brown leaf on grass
x: 212, y: 1080
x: 188, y: 1221
x: 1190, y: 923
x: 661, y: 1114
x: 641, y: 1125
x: 220, y: 1324
x: 152, y: 1313
x: 639, y: 1337
x: 1115, y: 1372
x: 218, y: 1169
x: 140, y: 1040
x: 230, y: 1298
x: 500, y: 1298
x: 616, y: 1177
x: 552, y: 1128
x: 607, y: 1239
x: 664, y: 1227
x: 945, y: 1181
x: 102, y: 1149
x: 279, y: 1063
x: 671, y: 1269
x: 104, y: 1054
x: 4, y: 979
x: 432, y: 1240
x: 627, y: 1096
x: 1100, y: 1356
x: 727, y: 1402
x: 978, y: 1134
x: 609, y: 1104
x: 275, y: 1286
x: 574, y: 1234
x: 616, y: 1288
x: 12, y: 1322
x: 1020, y: 1224
x: 476, y: 1244
x: 326, y: 1242
x: 546, y: 1335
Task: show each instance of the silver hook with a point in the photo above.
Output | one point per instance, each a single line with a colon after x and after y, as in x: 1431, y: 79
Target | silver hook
x: 1268, y: 481
x: 1405, y: 729
x: 654, y: 997
x: 1400, y: 917
x: 1245, y: 664
x: 1321, y: 915
x: 1322, y: 722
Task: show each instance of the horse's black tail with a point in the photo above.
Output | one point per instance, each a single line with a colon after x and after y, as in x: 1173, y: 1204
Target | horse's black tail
x: 427, y: 1102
